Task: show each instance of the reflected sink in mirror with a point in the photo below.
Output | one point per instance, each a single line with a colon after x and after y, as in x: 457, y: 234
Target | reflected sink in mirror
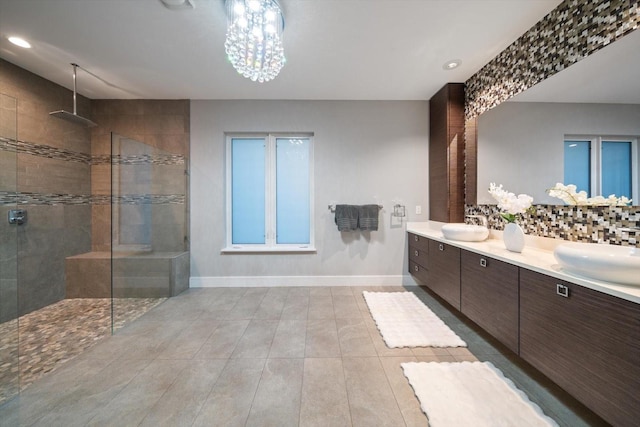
x: 610, y: 263
x: 465, y: 232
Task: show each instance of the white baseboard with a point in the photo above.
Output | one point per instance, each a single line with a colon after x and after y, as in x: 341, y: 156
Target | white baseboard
x: 290, y: 281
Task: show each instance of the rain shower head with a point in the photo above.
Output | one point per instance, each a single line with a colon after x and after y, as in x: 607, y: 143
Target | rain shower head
x: 73, y: 117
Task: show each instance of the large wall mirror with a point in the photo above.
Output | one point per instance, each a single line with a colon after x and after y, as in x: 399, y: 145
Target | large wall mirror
x: 521, y: 142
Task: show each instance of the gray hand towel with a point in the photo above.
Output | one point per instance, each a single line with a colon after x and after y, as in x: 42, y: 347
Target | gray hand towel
x: 346, y: 217
x: 368, y: 217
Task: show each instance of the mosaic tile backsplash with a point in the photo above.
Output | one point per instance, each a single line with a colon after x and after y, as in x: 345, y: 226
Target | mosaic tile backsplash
x: 569, y: 33
x: 619, y: 225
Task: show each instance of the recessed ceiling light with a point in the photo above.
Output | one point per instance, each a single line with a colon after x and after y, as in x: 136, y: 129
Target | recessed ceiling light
x: 20, y: 42
x: 450, y: 65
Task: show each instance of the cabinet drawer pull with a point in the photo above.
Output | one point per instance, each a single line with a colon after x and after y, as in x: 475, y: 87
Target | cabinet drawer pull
x: 562, y: 290
x: 417, y: 253
x: 483, y: 262
x: 441, y: 247
x: 416, y: 268
x: 416, y: 238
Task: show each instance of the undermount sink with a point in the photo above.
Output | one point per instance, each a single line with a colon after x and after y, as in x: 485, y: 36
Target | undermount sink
x: 465, y: 232
x: 610, y: 263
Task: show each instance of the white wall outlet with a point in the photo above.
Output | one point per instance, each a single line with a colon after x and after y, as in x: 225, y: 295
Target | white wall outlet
x: 418, y: 210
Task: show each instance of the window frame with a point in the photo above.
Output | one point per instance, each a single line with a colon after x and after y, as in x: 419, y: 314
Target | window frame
x: 596, y: 161
x: 270, y: 245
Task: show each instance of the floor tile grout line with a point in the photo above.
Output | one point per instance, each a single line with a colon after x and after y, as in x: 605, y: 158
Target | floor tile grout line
x: 105, y: 404
x: 255, y: 392
x: 346, y: 390
x: 213, y: 386
x: 150, y: 408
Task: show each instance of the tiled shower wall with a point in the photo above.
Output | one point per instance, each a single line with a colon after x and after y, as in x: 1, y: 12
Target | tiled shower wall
x: 569, y: 33
x: 53, y: 178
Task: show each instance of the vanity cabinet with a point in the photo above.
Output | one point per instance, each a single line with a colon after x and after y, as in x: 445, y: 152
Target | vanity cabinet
x: 418, y: 255
x: 585, y: 341
x: 489, y: 296
x: 444, y: 271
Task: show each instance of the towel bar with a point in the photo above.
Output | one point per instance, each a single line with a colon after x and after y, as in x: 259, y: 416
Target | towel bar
x: 332, y: 208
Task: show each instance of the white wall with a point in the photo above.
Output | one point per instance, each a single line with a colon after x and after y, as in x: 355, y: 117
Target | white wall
x: 521, y: 144
x: 365, y: 152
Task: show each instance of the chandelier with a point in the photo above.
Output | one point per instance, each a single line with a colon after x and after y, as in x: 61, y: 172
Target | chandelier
x: 254, y: 38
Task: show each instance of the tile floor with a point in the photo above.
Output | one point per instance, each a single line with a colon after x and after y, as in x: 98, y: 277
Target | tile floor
x: 259, y: 357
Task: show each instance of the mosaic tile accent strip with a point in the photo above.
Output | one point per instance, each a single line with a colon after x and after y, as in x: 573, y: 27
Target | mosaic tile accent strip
x: 618, y: 225
x: 8, y: 198
x: 40, y: 150
x: 23, y: 198
x: 23, y: 147
x: 144, y: 159
x: 569, y: 33
x: 150, y: 199
x: 54, y: 334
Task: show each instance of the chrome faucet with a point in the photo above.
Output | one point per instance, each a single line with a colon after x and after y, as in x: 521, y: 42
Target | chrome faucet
x: 482, y: 218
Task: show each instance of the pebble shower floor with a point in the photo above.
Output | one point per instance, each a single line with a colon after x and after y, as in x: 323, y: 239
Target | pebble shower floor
x: 52, y: 335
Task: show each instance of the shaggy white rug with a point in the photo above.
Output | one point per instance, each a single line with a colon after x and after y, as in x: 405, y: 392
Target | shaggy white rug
x: 404, y: 321
x: 471, y: 394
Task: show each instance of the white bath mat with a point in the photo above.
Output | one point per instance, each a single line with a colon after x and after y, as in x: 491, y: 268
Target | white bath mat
x: 404, y: 321
x: 471, y: 394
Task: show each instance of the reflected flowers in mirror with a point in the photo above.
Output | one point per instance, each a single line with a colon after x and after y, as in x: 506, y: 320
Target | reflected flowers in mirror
x: 570, y: 195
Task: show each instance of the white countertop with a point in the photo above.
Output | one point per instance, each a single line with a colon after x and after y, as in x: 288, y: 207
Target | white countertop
x: 536, y: 256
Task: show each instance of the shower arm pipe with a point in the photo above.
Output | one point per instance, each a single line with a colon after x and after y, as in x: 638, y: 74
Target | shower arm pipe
x: 75, y: 66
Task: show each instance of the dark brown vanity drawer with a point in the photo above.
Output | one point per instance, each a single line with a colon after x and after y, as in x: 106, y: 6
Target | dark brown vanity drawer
x: 419, y: 272
x: 444, y: 272
x: 419, y: 256
x: 418, y: 242
x: 489, y: 296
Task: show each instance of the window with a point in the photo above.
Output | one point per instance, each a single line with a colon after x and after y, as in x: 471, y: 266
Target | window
x: 602, y: 165
x: 269, y: 193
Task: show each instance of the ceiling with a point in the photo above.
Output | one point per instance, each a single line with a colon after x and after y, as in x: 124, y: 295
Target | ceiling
x: 335, y: 49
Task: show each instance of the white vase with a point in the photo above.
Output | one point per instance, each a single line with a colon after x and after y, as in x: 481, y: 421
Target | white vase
x: 513, y: 237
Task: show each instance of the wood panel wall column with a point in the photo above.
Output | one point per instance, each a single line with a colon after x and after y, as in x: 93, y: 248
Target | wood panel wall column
x: 471, y: 161
x: 446, y: 154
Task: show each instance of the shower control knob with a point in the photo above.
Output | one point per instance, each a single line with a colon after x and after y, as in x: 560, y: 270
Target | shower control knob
x: 17, y: 216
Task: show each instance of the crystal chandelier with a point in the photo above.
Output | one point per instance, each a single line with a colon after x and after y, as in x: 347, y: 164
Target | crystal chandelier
x: 254, y: 38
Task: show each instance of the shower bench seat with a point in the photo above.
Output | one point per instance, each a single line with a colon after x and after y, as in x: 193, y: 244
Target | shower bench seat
x: 135, y: 275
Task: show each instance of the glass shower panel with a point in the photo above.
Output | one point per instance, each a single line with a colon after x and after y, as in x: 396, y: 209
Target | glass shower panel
x: 148, y: 210
x: 9, y: 349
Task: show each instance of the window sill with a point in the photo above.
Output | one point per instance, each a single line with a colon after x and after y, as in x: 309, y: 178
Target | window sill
x: 268, y: 250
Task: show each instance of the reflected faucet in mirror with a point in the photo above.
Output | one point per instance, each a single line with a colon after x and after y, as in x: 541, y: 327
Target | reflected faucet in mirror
x: 483, y: 219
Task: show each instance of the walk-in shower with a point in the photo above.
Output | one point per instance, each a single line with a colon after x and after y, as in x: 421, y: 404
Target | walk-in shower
x: 103, y: 237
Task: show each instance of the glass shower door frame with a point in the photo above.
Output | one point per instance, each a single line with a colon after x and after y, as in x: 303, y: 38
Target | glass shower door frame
x: 9, y: 316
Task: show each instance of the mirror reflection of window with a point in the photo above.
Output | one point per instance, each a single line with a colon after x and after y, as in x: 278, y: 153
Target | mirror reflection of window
x: 601, y: 165
x: 577, y: 164
x: 616, y: 168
